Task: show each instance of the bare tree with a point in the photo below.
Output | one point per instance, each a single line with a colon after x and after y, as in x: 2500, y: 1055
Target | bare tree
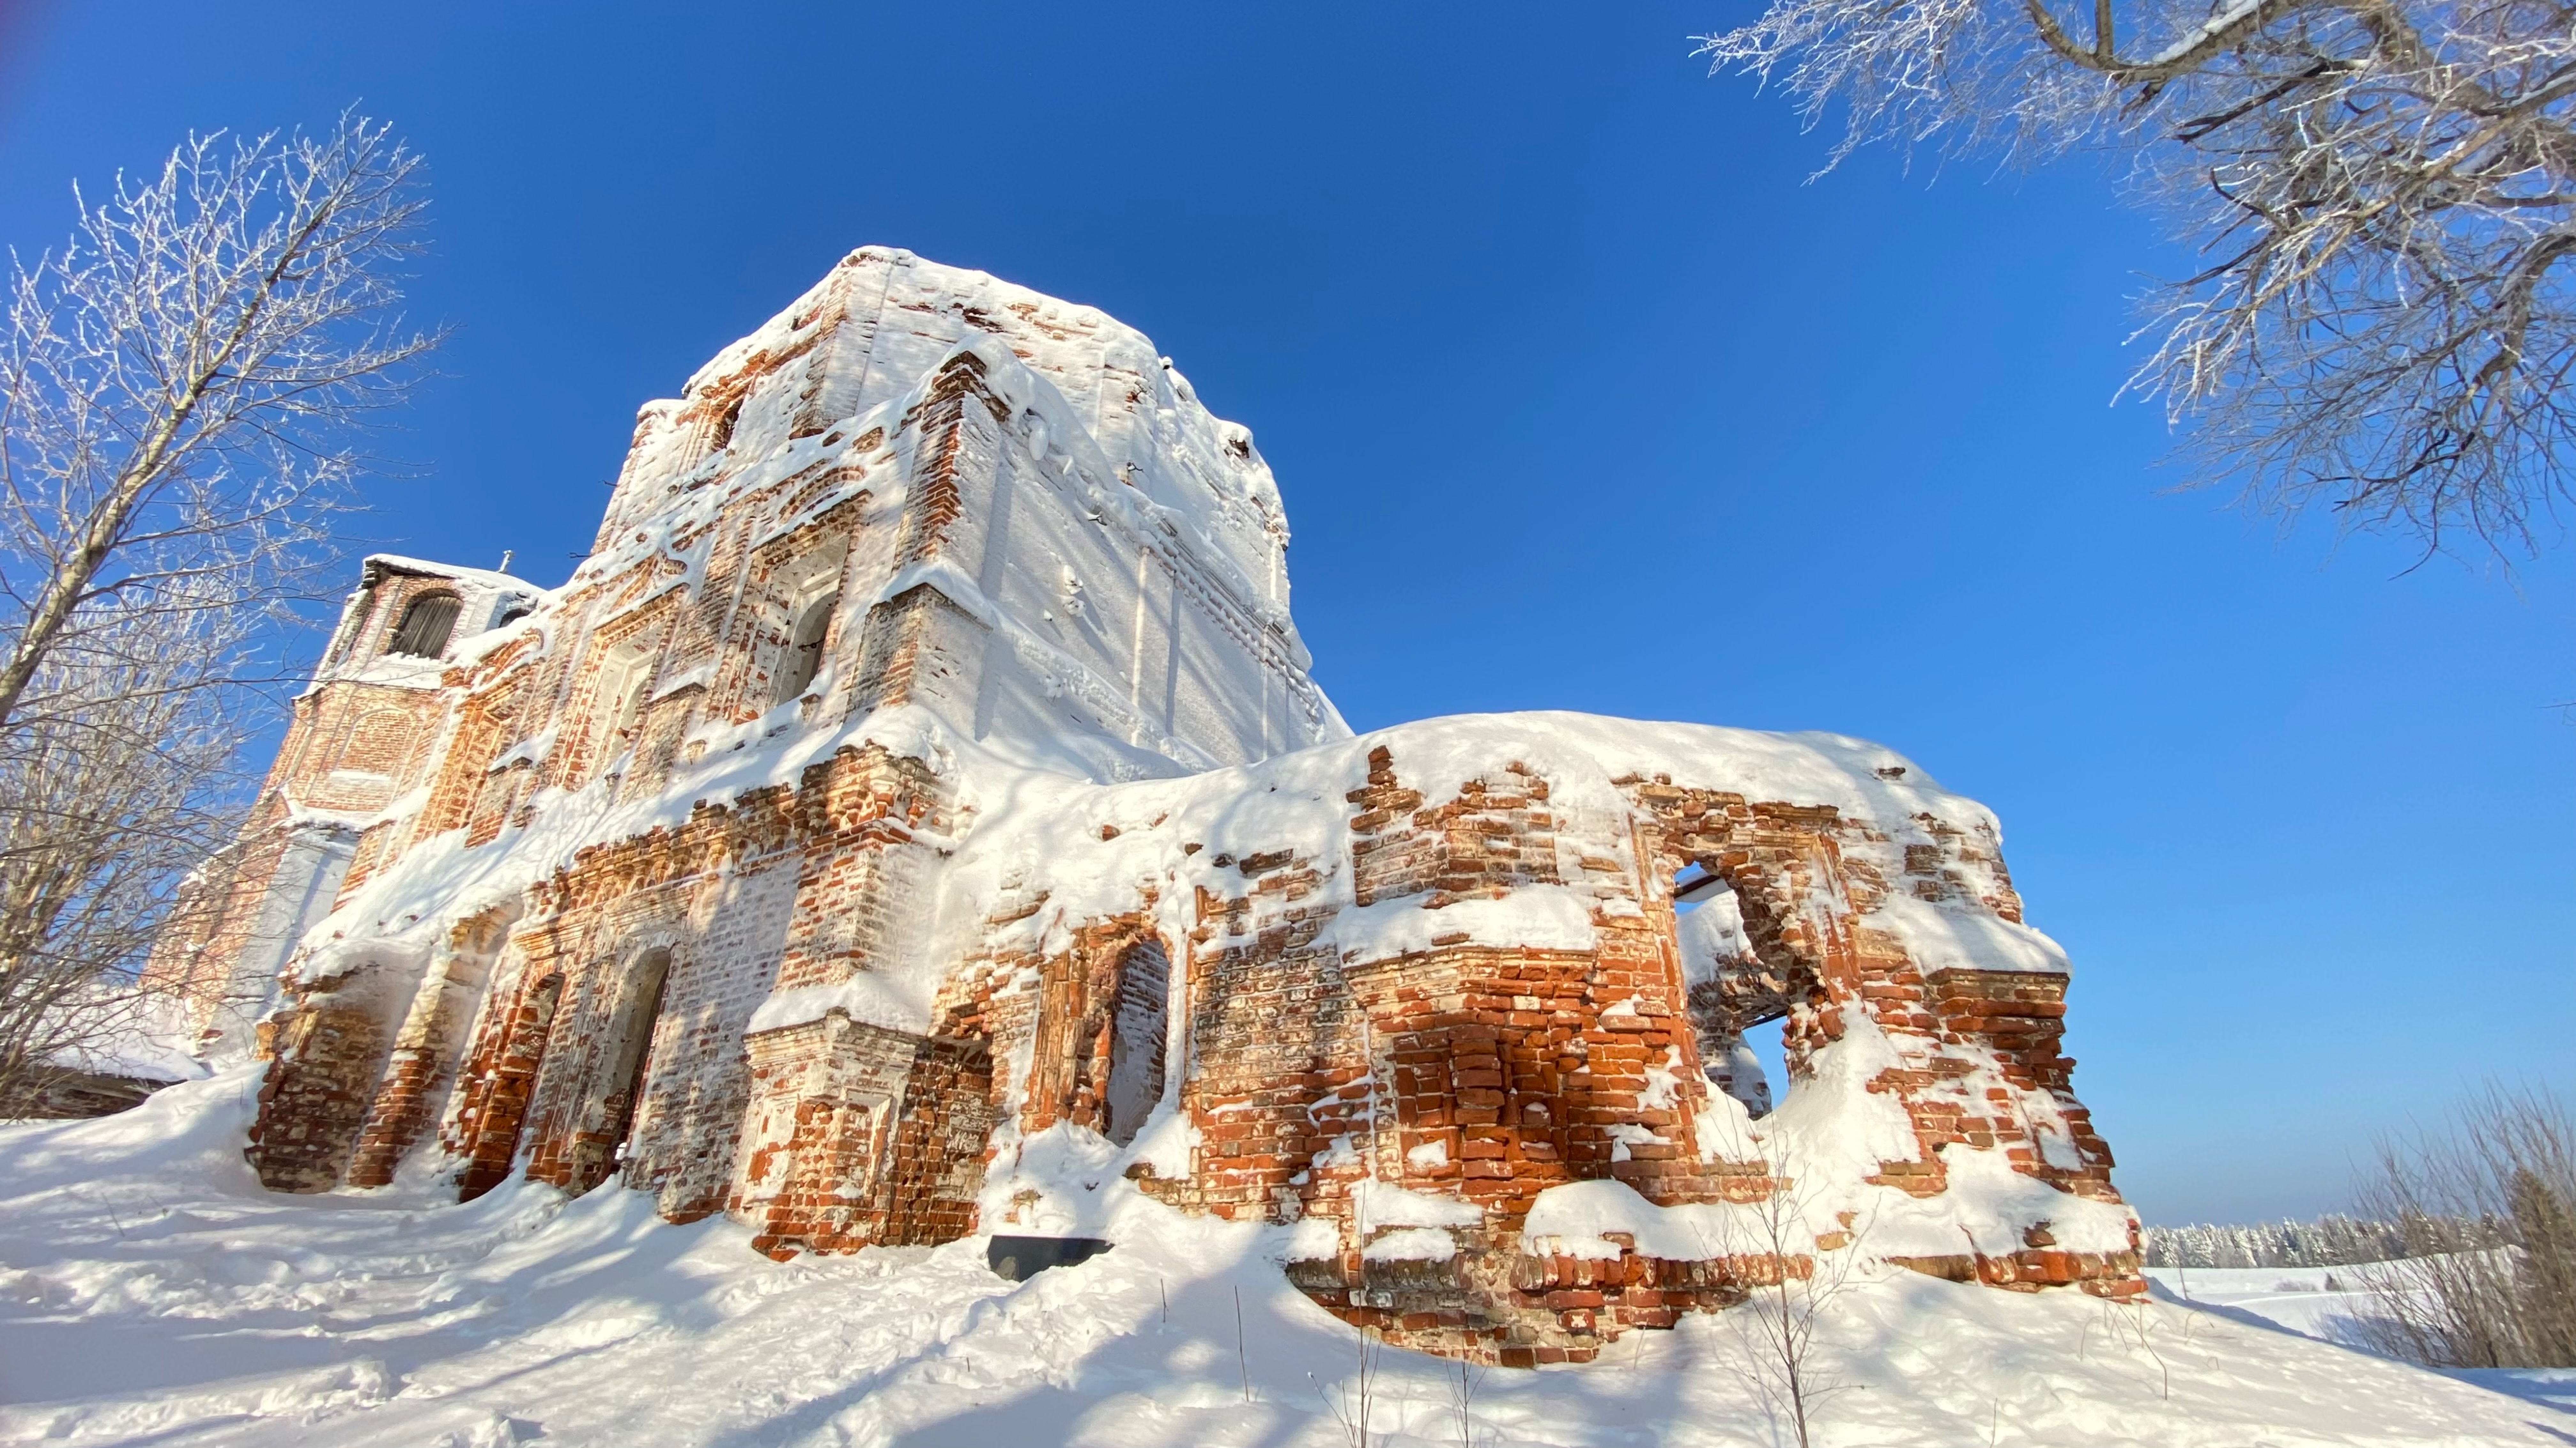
x: 1462, y: 1378
x: 2487, y: 1206
x: 2384, y: 191
x: 104, y: 800
x: 1352, y: 1402
x: 178, y: 385
x: 1775, y: 1327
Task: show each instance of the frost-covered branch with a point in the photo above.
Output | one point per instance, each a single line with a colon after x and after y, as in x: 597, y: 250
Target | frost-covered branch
x: 1775, y: 1326
x: 178, y: 387
x: 2486, y: 1204
x: 2386, y: 190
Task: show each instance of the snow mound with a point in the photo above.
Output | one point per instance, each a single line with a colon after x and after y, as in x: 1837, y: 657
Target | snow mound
x: 151, y: 1293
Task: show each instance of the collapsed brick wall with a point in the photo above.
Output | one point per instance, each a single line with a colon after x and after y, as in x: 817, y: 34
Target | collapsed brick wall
x: 1504, y: 1076
x: 1781, y: 861
x: 1465, y: 1071
x: 1981, y: 1047
x: 1489, y: 1075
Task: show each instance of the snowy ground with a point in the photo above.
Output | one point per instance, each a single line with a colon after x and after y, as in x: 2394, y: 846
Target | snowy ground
x: 2318, y: 1301
x: 150, y: 1292
x: 2322, y: 1302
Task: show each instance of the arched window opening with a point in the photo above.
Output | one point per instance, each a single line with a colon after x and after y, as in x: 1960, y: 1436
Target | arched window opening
x: 426, y: 622
x: 1738, y: 1006
x: 804, y: 657
x: 1139, y: 1025
x: 625, y: 1065
x: 512, y: 612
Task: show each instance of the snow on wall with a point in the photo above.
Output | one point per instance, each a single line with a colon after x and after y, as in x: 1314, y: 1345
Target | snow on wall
x: 1046, y: 837
x: 1117, y: 404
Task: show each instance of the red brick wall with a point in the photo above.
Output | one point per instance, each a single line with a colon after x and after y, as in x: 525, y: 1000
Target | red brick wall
x: 863, y: 1136
x: 1302, y: 1068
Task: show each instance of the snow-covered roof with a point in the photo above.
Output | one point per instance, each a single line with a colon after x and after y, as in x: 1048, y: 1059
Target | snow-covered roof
x: 476, y: 577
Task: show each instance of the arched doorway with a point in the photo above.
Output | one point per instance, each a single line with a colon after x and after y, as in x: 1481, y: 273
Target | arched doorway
x: 624, y: 1060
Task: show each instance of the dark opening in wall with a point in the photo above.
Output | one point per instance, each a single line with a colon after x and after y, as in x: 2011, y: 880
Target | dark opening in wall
x: 805, y: 648
x: 426, y: 623
x: 1017, y: 1259
x: 1139, y: 1025
x: 1738, y: 1008
x: 722, y: 437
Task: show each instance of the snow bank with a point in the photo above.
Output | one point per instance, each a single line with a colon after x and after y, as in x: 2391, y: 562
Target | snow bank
x: 150, y: 1292
x: 150, y: 1043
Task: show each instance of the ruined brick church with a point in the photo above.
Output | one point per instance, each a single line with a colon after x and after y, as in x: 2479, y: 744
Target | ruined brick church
x: 915, y: 820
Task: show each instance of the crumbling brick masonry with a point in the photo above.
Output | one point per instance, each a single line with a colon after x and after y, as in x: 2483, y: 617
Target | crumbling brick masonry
x: 915, y: 819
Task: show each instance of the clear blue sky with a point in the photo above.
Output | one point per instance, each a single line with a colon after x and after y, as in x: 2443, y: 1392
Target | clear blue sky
x: 1579, y: 399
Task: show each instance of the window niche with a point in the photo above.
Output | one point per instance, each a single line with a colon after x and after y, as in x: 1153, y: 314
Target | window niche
x: 625, y: 687
x: 803, y: 658
x: 426, y: 623
x: 625, y: 1062
x: 806, y: 591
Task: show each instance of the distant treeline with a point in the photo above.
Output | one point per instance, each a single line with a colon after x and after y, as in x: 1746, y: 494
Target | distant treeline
x: 2329, y: 1241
